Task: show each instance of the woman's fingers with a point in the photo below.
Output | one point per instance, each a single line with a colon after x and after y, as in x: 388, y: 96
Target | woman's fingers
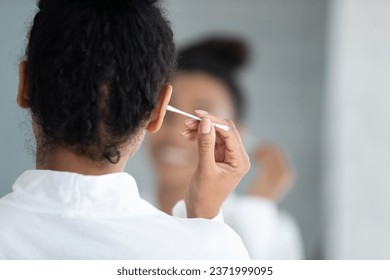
x: 191, y: 124
x: 275, y: 175
x: 234, y: 149
x: 229, y: 140
x: 206, y: 144
x: 231, y: 135
x: 190, y: 134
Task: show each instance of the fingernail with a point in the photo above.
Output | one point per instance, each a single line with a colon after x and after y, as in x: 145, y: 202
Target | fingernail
x: 205, y: 127
x: 201, y: 112
x: 185, y: 132
x: 189, y: 122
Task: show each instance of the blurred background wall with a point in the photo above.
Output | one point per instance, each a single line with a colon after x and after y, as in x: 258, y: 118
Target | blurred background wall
x: 356, y: 191
x: 15, y: 131
x: 340, y: 197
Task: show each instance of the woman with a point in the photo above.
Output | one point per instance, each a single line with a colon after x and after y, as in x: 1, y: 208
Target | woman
x: 206, y: 79
x: 95, y: 80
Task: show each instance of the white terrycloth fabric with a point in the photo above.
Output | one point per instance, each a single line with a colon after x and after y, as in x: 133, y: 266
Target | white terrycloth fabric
x: 61, y: 215
x: 267, y: 232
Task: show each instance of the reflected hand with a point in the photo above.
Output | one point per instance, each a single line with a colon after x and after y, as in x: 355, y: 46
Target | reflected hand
x: 275, y: 177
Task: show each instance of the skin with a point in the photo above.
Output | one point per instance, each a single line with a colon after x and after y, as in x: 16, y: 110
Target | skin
x: 222, y: 158
x: 175, y: 160
x: 173, y: 178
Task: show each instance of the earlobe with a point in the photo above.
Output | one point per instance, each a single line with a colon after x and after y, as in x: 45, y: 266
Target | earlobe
x: 159, y: 111
x: 23, y: 98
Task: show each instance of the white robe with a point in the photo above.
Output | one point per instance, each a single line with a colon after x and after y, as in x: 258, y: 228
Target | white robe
x: 267, y: 232
x: 61, y: 215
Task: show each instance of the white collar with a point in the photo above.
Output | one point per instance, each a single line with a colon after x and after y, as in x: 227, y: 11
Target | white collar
x: 71, y: 194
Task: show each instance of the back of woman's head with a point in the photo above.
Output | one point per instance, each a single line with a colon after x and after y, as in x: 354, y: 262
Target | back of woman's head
x: 220, y: 57
x: 95, y: 69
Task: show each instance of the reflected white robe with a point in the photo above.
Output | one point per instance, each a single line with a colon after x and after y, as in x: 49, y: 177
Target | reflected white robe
x: 267, y: 232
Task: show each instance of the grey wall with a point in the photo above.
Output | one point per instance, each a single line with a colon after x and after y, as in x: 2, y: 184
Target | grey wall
x: 14, y: 127
x: 284, y: 84
x: 357, y: 158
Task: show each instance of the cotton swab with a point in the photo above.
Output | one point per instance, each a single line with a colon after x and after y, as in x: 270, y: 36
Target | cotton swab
x: 173, y: 109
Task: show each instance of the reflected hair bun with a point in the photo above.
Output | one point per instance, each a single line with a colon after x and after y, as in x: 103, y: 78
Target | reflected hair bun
x: 227, y: 53
x: 232, y: 52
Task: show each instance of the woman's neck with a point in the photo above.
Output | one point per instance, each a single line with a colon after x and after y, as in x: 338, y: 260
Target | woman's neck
x: 65, y: 160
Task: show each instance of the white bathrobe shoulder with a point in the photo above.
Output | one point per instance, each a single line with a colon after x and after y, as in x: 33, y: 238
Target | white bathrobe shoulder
x: 61, y: 215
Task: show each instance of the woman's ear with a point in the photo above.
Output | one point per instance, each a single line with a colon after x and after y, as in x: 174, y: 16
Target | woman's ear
x: 159, y: 111
x: 23, y: 97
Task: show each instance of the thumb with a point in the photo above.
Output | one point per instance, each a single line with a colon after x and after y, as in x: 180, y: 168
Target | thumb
x: 206, y: 143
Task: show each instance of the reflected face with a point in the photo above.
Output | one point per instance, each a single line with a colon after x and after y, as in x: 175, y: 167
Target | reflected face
x: 175, y: 158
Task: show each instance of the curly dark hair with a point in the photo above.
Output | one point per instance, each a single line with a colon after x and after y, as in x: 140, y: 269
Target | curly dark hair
x: 95, y: 70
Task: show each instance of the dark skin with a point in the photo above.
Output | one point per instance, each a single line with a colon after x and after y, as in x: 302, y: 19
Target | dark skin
x: 214, y: 178
x: 273, y: 176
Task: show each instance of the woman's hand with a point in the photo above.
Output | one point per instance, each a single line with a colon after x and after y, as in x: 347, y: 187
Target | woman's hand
x: 223, y: 161
x: 274, y: 176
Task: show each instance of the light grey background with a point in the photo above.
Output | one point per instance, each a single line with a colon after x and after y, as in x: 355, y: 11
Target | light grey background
x: 357, y: 159
x: 14, y: 127
x: 284, y: 84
